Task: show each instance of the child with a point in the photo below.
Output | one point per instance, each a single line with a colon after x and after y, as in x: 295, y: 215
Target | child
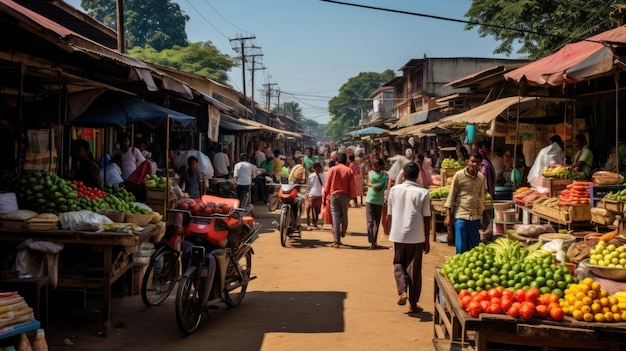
x: 316, y: 182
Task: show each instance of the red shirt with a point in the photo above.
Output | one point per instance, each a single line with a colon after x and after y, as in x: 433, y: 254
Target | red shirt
x: 340, y: 180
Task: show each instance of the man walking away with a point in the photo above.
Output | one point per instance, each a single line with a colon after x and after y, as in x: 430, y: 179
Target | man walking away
x: 243, y: 174
x: 409, y: 212
x: 340, y: 186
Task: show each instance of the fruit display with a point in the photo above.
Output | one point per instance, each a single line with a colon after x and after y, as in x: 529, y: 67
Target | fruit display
x: 523, y: 303
x: 521, y: 190
x: 563, y: 172
x: 47, y: 192
x: 156, y: 182
x: 527, y: 198
x: 617, y: 196
x: 452, y: 163
x: 587, y: 301
x: 442, y: 193
x: 575, y: 193
x: 608, y: 255
x: 201, y: 208
x: 507, y: 264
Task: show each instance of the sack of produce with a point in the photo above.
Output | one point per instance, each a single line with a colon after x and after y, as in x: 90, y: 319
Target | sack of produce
x: 606, y: 178
x: 533, y: 230
x: 83, y: 220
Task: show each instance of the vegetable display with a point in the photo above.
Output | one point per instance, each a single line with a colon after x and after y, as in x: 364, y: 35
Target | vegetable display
x: 575, y: 193
x: 47, y: 192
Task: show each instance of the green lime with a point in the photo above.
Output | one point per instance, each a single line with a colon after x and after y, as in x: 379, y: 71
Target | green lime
x: 541, y: 281
x: 549, y: 275
x: 471, y: 284
x: 545, y: 290
x: 550, y: 283
x: 540, y: 273
x: 561, y: 285
x: 517, y: 286
x: 558, y: 292
x: 510, y: 283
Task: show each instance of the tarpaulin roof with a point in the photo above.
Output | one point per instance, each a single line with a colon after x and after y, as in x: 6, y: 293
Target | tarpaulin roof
x: 491, y: 110
x: 421, y: 129
x: 368, y: 131
x: 233, y: 124
x: 419, y: 117
x: 574, y: 62
x: 114, y: 109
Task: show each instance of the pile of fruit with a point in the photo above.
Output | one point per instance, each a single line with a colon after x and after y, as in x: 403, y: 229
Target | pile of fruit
x: 201, y: 208
x: 452, y: 163
x: 442, y: 193
x: 587, y: 301
x: 156, y: 182
x: 617, y: 196
x: 575, y: 193
x: 563, y: 172
x: 46, y: 192
x: 523, y: 303
x: 506, y: 263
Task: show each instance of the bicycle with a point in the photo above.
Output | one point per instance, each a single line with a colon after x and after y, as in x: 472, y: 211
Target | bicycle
x: 164, y: 269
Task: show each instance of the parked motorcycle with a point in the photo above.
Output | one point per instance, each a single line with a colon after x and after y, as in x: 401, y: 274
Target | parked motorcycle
x: 219, y: 264
x: 290, y: 210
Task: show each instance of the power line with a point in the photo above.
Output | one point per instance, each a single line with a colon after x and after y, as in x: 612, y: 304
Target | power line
x: 454, y: 20
x: 224, y: 18
x: 205, y: 20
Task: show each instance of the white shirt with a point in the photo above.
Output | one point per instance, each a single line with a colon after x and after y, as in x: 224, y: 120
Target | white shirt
x: 408, y: 205
x: 259, y: 157
x: 113, y: 174
x: 314, y: 184
x: 243, y: 172
x: 220, y: 163
x: 131, y: 159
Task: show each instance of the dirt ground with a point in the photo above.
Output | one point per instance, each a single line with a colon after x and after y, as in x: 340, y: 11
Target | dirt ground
x: 307, y: 297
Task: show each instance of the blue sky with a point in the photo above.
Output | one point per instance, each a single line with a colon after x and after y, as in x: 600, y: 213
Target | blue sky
x: 311, y: 48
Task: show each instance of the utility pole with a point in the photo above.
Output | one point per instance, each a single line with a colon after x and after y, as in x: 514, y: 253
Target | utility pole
x: 242, y: 50
x: 254, y: 68
x: 120, y: 25
x: 268, y: 94
x: 278, y: 102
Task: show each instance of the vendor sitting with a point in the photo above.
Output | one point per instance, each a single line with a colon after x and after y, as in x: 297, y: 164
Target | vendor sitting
x: 86, y: 169
x: 583, y: 157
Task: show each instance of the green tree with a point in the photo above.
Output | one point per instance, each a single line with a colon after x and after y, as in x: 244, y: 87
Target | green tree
x: 291, y: 109
x: 201, y: 58
x: 562, y: 21
x: 157, y: 23
x: 347, y: 108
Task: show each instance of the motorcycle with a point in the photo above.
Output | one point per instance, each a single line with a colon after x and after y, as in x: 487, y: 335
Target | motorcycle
x: 290, y: 210
x: 219, y: 264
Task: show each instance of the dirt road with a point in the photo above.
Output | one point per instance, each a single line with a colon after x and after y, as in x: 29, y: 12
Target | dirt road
x: 307, y: 297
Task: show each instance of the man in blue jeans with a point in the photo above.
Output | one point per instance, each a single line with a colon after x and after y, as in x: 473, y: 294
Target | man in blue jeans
x: 466, y: 204
x: 243, y: 174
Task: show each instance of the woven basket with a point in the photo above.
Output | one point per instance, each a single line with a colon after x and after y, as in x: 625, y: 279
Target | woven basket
x: 139, y: 219
x: 114, y: 215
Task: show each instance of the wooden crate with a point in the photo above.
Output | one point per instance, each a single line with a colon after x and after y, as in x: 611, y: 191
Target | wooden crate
x: 155, y: 194
x: 602, y: 216
x: 555, y: 185
x: 52, y: 225
x: 448, y: 173
x: 578, y: 213
x: 614, y: 206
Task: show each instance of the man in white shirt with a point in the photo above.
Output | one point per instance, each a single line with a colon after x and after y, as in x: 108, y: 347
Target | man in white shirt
x: 409, y: 213
x: 221, y: 162
x: 259, y: 156
x: 243, y: 174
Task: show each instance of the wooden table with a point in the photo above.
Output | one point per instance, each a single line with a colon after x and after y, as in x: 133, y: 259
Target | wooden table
x: 455, y: 329
x: 103, y: 245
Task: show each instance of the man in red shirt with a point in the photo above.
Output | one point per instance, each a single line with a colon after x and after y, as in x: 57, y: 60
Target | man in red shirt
x: 340, y: 186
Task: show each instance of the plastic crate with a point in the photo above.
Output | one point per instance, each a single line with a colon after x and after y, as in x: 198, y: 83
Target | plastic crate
x: 597, y: 192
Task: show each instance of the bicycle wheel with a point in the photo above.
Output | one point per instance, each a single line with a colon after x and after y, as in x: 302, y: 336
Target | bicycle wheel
x: 160, y: 276
x: 188, y: 311
x: 284, y: 225
x: 273, y: 203
x: 237, y: 284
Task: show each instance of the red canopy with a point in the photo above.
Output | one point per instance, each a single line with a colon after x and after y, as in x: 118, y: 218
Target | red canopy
x: 574, y: 62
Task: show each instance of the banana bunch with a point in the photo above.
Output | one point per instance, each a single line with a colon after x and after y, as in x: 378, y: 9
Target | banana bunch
x: 554, y: 172
x: 506, y: 250
x: 156, y: 217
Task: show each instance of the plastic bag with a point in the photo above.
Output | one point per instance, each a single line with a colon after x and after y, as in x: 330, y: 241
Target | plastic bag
x: 83, y: 220
x: 546, y: 156
x: 533, y: 230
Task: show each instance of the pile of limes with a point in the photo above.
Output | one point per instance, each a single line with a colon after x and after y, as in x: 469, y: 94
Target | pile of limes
x: 608, y: 255
x: 587, y: 301
x: 476, y: 270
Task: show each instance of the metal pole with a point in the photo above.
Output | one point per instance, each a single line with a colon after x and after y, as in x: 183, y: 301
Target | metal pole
x: 616, y: 77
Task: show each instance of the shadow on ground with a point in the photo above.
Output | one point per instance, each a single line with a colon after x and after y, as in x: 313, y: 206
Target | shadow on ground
x: 242, y: 328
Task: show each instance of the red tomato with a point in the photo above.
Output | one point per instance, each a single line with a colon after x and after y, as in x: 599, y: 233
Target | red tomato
x: 495, y: 308
x: 527, y: 310
x: 543, y: 300
x: 557, y: 313
x: 463, y: 292
x: 542, y: 310
x: 509, y: 293
x: 520, y: 295
x: 474, y: 309
x: 506, y: 303
x: 495, y: 293
x: 495, y: 300
x: 532, y: 295
x: 484, y: 304
x: 466, y: 300
x: 513, y: 311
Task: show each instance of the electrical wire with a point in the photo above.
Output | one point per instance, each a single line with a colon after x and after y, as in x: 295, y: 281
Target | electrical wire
x: 224, y: 18
x: 205, y: 20
x: 441, y: 18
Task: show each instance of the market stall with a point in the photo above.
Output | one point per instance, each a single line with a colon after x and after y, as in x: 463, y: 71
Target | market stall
x: 504, y: 295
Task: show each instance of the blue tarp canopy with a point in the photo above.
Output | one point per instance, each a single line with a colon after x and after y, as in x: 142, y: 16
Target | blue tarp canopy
x: 368, y: 131
x: 98, y: 109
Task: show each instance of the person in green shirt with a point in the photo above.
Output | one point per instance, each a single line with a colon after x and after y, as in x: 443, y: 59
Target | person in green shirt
x: 374, y: 199
x: 308, y: 160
